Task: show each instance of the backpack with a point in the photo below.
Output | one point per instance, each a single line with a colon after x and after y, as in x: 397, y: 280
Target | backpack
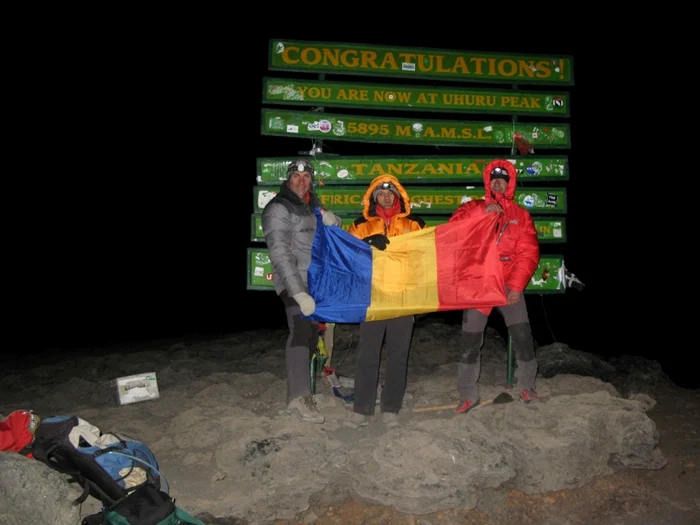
x: 119, y: 471
x: 107, y: 466
x: 144, y: 506
x: 17, y: 432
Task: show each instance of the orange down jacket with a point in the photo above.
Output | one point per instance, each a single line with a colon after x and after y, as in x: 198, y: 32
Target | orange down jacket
x: 370, y: 223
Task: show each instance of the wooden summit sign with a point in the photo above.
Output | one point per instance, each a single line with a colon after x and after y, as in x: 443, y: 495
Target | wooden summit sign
x: 437, y: 184
x: 413, y: 98
x: 361, y: 128
x: 332, y: 169
x: 375, y: 60
x: 425, y: 200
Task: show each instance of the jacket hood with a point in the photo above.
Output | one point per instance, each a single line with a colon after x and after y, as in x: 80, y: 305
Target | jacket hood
x: 370, y: 205
x: 509, y: 194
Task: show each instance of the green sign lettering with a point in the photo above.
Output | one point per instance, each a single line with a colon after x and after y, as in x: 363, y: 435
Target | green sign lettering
x: 411, y: 131
x: 416, y: 170
x: 425, y: 201
x: 348, y: 94
x: 475, y: 66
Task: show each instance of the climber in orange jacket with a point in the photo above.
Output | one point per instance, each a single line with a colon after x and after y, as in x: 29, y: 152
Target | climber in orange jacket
x: 386, y: 214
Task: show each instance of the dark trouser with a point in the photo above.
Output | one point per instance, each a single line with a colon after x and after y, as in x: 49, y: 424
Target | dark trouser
x: 398, y: 341
x: 469, y: 367
x: 302, y: 340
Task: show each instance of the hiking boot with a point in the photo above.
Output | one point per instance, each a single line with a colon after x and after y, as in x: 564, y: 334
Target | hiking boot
x: 466, y: 406
x: 390, y: 419
x: 305, y: 408
x: 356, y: 420
x: 529, y: 396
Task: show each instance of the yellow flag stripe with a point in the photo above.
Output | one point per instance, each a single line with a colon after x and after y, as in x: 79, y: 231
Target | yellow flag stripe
x: 404, y: 276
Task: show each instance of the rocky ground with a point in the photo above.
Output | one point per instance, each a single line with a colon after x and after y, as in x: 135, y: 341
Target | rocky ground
x: 669, y: 496
x: 222, y: 396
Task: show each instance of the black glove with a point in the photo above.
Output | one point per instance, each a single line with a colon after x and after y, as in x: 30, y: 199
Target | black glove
x: 379, y: 241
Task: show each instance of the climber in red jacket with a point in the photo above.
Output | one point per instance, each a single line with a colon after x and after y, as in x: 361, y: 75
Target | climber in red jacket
x: 519, y: 251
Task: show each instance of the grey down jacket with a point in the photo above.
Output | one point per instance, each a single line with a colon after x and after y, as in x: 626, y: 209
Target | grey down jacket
x: 289, y: 226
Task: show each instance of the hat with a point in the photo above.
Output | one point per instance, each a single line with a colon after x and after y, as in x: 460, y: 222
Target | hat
x: 385, y: 186
x: 500, y: 173
x: 300, y: 165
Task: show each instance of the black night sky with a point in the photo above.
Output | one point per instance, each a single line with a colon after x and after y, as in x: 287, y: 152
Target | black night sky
x: 150, y: 216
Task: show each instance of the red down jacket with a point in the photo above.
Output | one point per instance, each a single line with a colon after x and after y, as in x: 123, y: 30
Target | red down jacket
x: 517, y: 244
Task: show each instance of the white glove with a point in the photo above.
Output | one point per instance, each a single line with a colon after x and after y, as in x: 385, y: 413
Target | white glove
x: 306, y: 303
x: 330, y: 218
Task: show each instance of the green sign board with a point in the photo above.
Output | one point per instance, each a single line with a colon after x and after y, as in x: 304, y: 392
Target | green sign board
x: 377, y: 61
x: 411, y: 131
x: 425, y: 201
x: 259, y: 269
x: 420, y: 98
x: 416, y: 170
x: 546, y: 279
x: 549, y: 229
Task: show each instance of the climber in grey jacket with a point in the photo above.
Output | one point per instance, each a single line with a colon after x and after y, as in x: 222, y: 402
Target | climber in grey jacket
x: 289, y: 225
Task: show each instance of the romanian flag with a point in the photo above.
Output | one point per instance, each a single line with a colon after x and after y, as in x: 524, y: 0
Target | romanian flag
x: 453, y: 266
